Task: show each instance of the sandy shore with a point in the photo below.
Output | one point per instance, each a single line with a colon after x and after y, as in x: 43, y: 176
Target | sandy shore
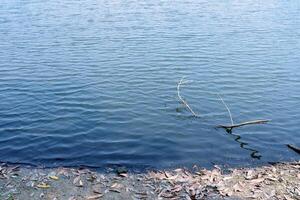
x: 279, y: 181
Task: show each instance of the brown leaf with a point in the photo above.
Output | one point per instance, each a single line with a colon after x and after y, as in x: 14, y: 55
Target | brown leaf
x: 115, y: 190
x: 237, y: 187
x: 80, y: 183
x: 178, y: 170
x: 97, y: 190
x: 43, y: 186
x: 54, y: 178
x: 167, y: 174
x: 250, y: 175
x: 177, y: 188
x: 116, y: 186
x: 287, y: 197
x: 98, y: 196
x: 76, y: 180
x: 123, y: 175
x: 226, y: 192
x: 172, y: 177
x: 256, y: 181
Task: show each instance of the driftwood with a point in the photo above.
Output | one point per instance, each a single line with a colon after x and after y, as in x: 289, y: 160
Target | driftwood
x: 294, y: 148
x: 243, y: 124
x: 181, y: 82
x: 227, y: 127
x: 230, y: 127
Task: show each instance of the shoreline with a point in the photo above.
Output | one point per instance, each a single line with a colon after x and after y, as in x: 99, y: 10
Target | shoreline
x: 273, y: 181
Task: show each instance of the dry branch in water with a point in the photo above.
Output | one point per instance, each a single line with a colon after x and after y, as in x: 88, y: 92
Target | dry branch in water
x: 230, y: 127
x: 294, y: 148
x: 227, y: 109
x: 181, y: 82
x: 243, y: 124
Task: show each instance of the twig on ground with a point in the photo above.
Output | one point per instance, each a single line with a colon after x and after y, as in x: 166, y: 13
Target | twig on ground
x: 181, y: 82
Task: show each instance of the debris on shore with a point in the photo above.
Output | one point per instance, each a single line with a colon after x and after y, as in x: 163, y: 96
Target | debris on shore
x: 278, y: 181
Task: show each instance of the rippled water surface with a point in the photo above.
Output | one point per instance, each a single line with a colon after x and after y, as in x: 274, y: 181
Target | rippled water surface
x: 93, y: 82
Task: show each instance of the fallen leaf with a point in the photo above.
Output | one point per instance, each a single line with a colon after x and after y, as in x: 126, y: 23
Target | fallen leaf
x: 287, y: 197
x: 54, y: 178
x: 237, y: 188
x: 80, y: 183
x: 116, y: 186
x: 256, y: 181
x: 43, y: 186
x: 114, y: 190
x: 98, y: 196
x: 97, y: 190
x: 172, y: 177
x: 123, y: 174
x: 76, y: 180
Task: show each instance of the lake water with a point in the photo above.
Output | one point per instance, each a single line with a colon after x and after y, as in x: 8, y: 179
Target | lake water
x: 94, y: 82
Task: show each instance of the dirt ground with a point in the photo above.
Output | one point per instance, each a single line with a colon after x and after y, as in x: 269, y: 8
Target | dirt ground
x: 278, y: 181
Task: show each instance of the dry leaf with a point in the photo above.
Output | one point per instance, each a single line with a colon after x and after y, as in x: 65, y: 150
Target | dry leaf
x: 80, y: 183
x: 98, y: 196
x: 116, y: 186
x: 43, y: 186
x: 287, y: 197
x: 167, y: 174
x: 54, y: 178
x: 237, y: 188
x: 123, y: 174
x: 76, y: 180
x: 115, y: 190
x: 257, y: 181
x: 172, y: 177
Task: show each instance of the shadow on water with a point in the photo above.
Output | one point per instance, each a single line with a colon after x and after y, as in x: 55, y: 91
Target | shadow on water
x: 254, y: 153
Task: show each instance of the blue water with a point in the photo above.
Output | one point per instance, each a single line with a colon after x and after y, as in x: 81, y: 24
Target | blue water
x: 94, y: 82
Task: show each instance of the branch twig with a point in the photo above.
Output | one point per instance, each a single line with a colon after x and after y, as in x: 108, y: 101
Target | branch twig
x: 181, y: 99
x: 227, y: 109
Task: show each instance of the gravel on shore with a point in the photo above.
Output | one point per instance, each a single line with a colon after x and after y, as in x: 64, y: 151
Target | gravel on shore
x: 278, y: 181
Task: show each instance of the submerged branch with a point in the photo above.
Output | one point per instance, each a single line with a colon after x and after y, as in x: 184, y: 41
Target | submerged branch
x: 182, y: 100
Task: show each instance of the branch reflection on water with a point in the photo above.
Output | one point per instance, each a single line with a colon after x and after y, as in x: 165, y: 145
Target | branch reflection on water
x: 254, y: 153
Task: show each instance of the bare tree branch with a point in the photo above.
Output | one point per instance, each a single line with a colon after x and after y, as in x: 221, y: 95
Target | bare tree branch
x: 243, y: 124
x: 230, y: 127
x: 181, y: 82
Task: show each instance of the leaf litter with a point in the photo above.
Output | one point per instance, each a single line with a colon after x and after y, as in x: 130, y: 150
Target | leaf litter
x: 279, y: 181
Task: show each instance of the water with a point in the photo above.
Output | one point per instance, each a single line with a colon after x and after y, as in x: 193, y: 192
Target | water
x: 94, y: 82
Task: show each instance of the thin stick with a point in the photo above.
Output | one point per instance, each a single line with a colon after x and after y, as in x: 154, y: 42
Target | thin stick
x: 243, y: 124
x: 182, y: 100
x: 227, y: 109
